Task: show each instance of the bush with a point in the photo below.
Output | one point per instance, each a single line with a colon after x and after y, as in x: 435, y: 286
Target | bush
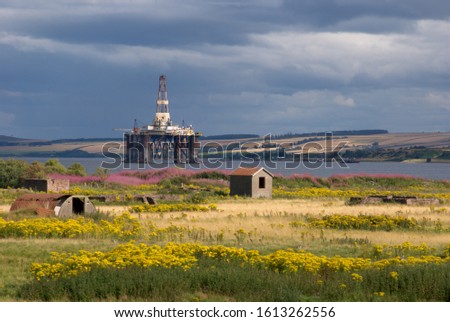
x: 122, y: 227
x: 77, y: 170
x: 12, y: 173
x: 369, y: 222
x: 215, y: 175
x: 54, y: 166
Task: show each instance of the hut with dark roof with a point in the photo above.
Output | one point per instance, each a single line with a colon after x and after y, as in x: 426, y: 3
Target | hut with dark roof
x: 251, y: 182
x: 51, y: 204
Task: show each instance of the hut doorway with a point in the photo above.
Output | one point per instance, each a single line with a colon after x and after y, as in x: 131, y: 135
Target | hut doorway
x: 77, y: 206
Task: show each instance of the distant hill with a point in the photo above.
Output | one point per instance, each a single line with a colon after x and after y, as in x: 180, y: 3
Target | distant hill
x: 335, y: 133
x: 230, y: 137
x: 6, y: 140
x: 84, y: 140
x: 362, y: 144
x: 13, y: 141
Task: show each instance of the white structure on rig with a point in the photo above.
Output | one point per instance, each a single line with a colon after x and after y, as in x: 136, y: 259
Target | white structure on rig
x: 161, y: 139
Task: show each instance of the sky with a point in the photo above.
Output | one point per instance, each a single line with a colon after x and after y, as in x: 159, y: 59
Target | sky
x: 82, y: 68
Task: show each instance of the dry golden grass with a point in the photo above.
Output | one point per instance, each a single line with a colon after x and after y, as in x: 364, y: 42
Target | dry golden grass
x: 4, y: 208
x: 114, y: 210
x: 266, y: 223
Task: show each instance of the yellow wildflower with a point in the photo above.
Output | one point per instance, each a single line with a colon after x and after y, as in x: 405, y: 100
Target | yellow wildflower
x: 394, y: 275
x: 356, y: 277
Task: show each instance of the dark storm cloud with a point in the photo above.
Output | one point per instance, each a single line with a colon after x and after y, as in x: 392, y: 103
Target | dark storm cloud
x: 213, y: 22
x: 85, y: 67
x: 138, y: 30
x: 332, y: 12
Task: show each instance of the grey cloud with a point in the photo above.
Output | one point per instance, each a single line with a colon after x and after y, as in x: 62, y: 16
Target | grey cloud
x: 235, y: 66
x: 330, y: 12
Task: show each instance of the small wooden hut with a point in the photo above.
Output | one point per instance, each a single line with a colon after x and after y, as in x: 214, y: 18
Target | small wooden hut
x: 251, y: 182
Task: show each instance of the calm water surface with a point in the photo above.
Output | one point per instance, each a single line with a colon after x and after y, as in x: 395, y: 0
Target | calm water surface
x: 423, y: 170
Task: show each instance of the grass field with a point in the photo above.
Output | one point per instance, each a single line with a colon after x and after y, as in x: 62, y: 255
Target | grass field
x: 313, y: 246
x: 266, y: 223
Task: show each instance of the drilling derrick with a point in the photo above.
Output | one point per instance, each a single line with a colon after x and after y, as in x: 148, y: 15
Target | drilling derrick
x: 162, y: 117
x: 161, y: 140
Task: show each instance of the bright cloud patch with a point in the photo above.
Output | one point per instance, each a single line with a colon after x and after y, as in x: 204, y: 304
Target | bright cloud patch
x: 344, y: 101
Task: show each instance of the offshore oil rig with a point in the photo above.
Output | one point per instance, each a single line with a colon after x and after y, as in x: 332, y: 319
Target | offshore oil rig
x: 161, y: 140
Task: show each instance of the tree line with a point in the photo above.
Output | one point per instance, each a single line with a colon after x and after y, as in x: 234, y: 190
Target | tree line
x: 13, y: 172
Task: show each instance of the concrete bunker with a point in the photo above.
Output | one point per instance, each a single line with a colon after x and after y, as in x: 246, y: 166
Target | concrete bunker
x: 405, y: 200
x: 60, y: 205
x: 47, y: 185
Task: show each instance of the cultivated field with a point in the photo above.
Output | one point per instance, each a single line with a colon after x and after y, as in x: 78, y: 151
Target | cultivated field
x: 387, y: 141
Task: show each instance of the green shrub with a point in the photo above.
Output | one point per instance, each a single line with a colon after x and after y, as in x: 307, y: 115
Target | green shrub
x: 215, y: 175
x: 12, y: 172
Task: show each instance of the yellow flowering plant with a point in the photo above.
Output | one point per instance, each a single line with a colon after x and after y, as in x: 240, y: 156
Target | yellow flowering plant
x: 187, y: 255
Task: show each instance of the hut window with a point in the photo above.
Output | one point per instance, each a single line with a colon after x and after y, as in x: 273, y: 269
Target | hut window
x: 262, y: 183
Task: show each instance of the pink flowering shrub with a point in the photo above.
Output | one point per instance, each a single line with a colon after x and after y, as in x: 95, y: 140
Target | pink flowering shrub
x: 135, y: 178
x: 372, y: 175
x: 307, y: 177
x: 74, y: 179
x: 220, y: 178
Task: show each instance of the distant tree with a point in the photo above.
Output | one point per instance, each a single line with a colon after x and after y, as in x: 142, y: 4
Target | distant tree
x: 36, y: 171
x: 53, y: 166
x: 76, y: 169
x: 102, y: 173
x: 12, y: 173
